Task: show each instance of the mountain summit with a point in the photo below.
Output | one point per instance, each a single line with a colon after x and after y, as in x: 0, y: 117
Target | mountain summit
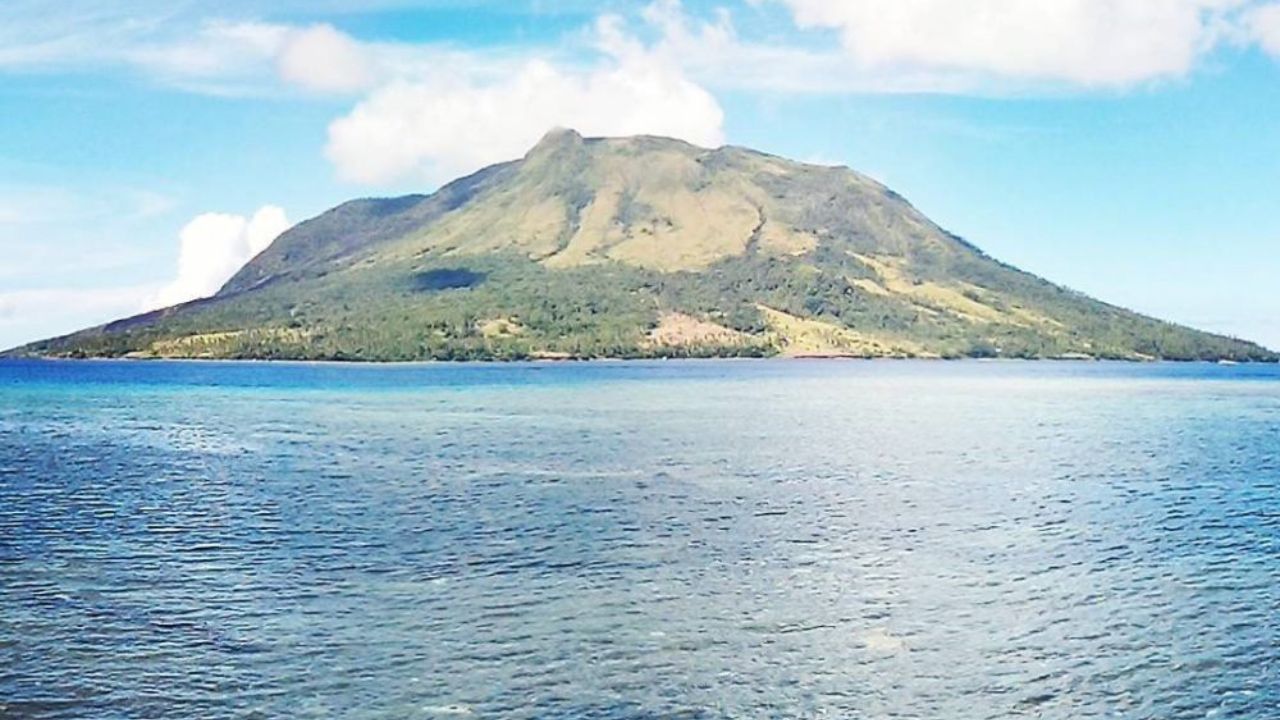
x: 638, y: 246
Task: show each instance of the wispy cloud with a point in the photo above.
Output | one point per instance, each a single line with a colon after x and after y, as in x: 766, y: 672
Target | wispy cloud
x: 27, y: 315
x: 832, y: 46
x: 1263, y: 27
x: 30, y: 205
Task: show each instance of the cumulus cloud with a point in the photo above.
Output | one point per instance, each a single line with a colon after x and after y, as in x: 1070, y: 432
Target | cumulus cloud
x: 440, y: 128
x: 1092, y: 43
x: 213, y: 247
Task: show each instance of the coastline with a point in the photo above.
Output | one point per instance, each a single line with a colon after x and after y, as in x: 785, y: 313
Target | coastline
x: 546, y: 361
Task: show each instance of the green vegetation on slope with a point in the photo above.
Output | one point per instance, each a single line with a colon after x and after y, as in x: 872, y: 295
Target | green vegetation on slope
x: 609, y: 311
x: 638, y: 247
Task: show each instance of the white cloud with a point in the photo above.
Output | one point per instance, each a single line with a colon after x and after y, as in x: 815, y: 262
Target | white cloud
x: 1263, y: 26
x: 834, y: 46
x: 213, y: 247
x: 841, y: 45
x: 1089, y: 43
x: 715, y: 54
x: 321, y: 59
x: 440, y: 128
x: 247, y: 57
x: 208, y: 55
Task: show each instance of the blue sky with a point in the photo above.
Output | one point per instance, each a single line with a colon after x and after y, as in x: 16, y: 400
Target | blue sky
x: 1129, y: 149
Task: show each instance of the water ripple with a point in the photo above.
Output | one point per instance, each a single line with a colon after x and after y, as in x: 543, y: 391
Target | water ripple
x: 850, y: 542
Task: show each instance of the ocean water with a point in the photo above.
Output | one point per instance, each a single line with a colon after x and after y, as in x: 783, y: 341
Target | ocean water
x: 738, y: 539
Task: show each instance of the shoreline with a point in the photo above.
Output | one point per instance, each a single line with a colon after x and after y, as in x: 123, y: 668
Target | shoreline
x: 500, y: 362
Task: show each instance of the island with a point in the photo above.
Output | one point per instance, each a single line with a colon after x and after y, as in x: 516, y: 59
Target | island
x: 635, y: 247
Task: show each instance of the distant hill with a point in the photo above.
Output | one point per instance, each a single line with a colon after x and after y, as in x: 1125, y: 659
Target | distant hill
x: 638, y: 247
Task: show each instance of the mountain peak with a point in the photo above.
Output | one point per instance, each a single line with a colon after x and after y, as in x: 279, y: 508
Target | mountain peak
x: 556, y: 138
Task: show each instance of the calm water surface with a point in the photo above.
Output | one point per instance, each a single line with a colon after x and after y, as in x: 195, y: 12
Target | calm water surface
x: 639, y: 540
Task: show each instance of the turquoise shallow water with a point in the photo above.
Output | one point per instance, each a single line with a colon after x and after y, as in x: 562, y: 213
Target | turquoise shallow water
x: 639, y: 540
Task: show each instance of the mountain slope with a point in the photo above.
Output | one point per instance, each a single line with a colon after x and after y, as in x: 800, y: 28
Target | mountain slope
x: 638, y: 246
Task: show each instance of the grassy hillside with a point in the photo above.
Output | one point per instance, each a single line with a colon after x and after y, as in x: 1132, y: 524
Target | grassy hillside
x: 636, y: 247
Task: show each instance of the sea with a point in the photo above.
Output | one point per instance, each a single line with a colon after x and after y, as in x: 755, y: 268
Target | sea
x: 666, y: 539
